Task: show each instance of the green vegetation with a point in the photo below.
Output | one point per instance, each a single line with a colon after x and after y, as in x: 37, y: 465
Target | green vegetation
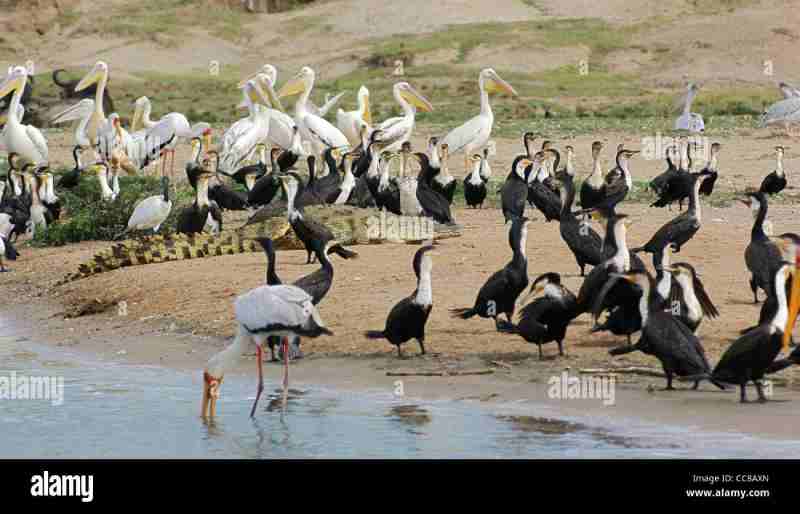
x: 89, y: 218
x: 593, y: 33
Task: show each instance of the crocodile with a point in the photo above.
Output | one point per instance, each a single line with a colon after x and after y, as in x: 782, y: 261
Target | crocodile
x: 350, y: 226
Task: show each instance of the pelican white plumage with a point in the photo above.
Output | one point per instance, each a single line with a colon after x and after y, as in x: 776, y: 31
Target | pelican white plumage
x: 785, y: 112
x: 398, y: 130
x: 283, y: 129
x: 240, y: 140
x: 285, y: 311
x: 25, y: 140
x: 151, y: 212
x: 83, y: 112
x: 688, y: 120
x: 97, y: 75
x: 473, y: 135
x: 351, y: 122
x: 320, y: 133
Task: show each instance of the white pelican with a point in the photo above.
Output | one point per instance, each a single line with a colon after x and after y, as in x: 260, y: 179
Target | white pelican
x: 351, y: 122
x: 397, y: 130
x: 172, y: 124
x: 688, y: 120
x: 240, y: 140
x: 25, y: 140
x: 314, y: 129
x: 474, y: 134
x: 151, y: 212
x: 98, y: 75
x: 83, y: 112
x: 282, y: 127
x: 272, y: 73
x: 284, y: 311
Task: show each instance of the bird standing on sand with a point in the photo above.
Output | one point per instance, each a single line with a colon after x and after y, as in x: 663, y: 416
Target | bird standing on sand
x: 408, y: 317
x: 499, y: 294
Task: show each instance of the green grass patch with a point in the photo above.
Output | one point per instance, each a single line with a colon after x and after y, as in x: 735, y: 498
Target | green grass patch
x: 86, y: 217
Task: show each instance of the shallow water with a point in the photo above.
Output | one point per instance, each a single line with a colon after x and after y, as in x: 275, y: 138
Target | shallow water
x: 115, y: 410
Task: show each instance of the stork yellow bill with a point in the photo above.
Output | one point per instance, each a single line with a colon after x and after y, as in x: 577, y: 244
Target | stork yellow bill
x: 794, y: 304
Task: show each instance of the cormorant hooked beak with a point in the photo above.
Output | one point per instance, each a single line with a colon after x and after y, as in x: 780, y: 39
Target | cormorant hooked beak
x: 794, y: 304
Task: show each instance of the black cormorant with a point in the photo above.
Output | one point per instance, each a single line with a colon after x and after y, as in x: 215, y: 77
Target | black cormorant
x: 545, y: 319
x: 761, y: 256
x: 667, y: 339
x: 499, y: 294
x: 408, y: 317
x: 750, y: 357
x: 775, y: 182
x: 474, y: 185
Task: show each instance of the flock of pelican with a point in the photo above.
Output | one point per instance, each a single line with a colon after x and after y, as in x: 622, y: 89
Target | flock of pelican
x: 348, y: 162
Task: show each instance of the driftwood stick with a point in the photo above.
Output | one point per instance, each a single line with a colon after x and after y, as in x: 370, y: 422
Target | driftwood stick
x: 630, y: 370
x: 454, y: 373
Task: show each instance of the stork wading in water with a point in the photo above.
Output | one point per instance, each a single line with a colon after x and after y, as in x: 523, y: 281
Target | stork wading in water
x: 283, y: 311
x: 473, y: 135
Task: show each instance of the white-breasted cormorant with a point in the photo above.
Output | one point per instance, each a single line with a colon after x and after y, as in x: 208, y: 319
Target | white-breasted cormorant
x: 585, y: 244
x: 499, y: 294
x: 308, y: 230
x: 474, y: 184
x: 667, y: 339
x: 408, y: 317
x: 545, y: 319
x: 693, y: 302
x: 514, y: 193
x: 678, y: 231
x: 775, y: 182
x: 761, y: 256
x: 751, y: 355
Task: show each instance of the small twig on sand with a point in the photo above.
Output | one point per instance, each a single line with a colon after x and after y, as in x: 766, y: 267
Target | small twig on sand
x: 500, y: 364
x: 454, y: 373
x: 631, y: 370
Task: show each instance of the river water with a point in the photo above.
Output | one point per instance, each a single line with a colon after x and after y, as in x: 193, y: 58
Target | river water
x: 116, y: 410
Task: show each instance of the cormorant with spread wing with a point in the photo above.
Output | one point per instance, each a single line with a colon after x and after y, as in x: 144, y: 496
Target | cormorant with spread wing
x: 546, y: 318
